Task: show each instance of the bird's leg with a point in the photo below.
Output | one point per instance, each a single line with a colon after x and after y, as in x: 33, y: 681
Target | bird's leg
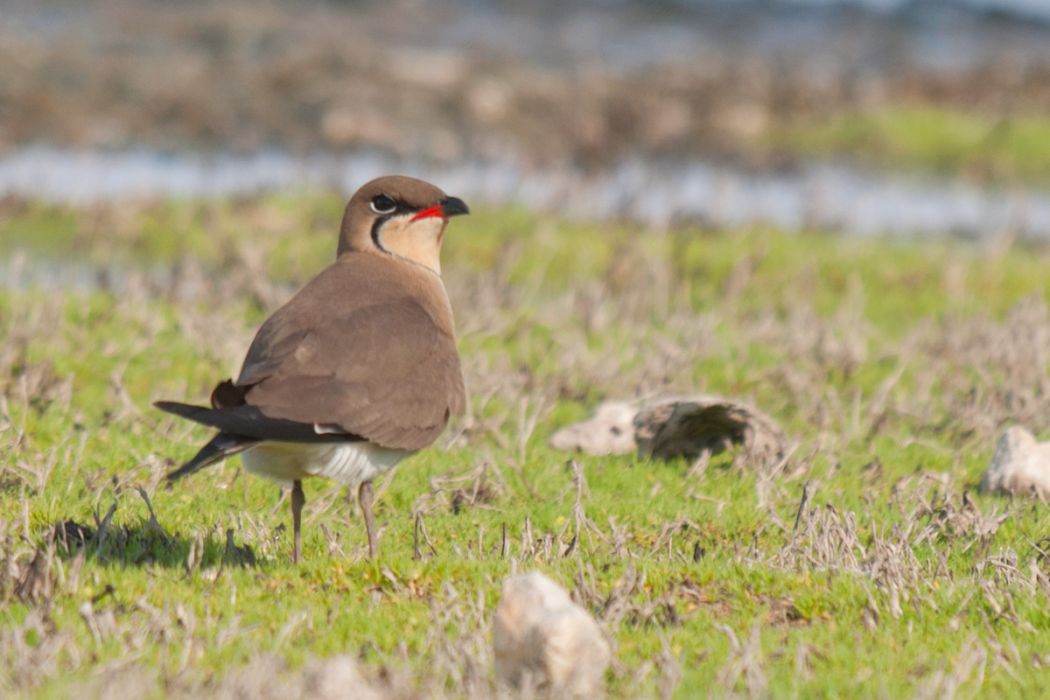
x: 298, y: 499
x: 364, y: 496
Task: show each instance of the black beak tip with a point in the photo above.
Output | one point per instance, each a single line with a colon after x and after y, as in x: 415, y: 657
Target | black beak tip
x: 454, y: 206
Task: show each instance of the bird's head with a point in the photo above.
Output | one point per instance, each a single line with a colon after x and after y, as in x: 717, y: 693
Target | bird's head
x: 398, y: 215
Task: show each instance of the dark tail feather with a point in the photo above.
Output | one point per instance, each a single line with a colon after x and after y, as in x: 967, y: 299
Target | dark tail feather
x: 183, y: 410
x: 249, y: 422
x: 218, y: 448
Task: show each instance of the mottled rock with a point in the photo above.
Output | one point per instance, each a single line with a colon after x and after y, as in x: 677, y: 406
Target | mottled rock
x: 687, y: 426
x: 544, y: 641
x: 1020, y: 465
x: 675, y: 427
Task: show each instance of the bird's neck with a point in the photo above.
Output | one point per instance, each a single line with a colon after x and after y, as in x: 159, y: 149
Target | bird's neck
x: 416, y: 241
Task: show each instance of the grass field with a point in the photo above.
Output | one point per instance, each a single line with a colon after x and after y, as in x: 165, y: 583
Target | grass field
x: 1012, y: 150
x: 893, y: 365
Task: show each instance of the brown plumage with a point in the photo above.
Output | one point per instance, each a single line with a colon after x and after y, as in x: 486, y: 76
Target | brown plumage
x: 370, y: 341
x: 363, y: 359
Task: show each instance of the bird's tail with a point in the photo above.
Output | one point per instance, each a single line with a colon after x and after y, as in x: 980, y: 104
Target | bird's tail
x: 217, y: 449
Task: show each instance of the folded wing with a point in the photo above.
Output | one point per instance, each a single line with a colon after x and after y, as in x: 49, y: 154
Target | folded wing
x: 386, y: 372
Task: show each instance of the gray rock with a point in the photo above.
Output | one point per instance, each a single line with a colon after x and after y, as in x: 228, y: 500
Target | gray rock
x: 1020, y: 465
x: 545, y: 642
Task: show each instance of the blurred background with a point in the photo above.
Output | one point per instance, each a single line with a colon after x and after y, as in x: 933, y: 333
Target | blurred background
x: 923, y: 117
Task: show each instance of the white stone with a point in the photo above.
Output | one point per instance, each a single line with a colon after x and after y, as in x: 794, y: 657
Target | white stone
x: 543, y: 640
x: 609, y: 432
x: 337, y: 678
x: 1021, y: 465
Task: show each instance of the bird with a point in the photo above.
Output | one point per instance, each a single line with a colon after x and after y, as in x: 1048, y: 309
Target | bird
x: 359, y: 369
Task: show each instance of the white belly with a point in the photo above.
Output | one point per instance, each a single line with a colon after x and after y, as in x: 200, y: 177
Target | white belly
x: 349, y: 463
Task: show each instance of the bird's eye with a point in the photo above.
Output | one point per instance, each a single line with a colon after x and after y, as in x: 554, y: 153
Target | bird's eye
x: 381, y: 204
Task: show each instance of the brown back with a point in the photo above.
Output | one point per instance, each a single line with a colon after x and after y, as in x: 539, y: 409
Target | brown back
x: 367, y: 347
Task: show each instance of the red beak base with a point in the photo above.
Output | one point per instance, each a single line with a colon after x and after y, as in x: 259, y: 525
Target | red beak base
x: 436, y: 210
x: 447, y: 207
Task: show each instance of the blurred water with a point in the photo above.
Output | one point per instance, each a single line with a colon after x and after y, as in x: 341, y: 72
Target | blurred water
x: 1023, y: 9
x: 860, y: 36
x: 821, y: 196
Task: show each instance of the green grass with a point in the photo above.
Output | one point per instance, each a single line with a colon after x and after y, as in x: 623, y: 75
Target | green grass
x: 1005, y: 150
x: 908, y: 357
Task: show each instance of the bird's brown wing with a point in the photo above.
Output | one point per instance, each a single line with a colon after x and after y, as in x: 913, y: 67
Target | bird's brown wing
x: 385, y: 371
